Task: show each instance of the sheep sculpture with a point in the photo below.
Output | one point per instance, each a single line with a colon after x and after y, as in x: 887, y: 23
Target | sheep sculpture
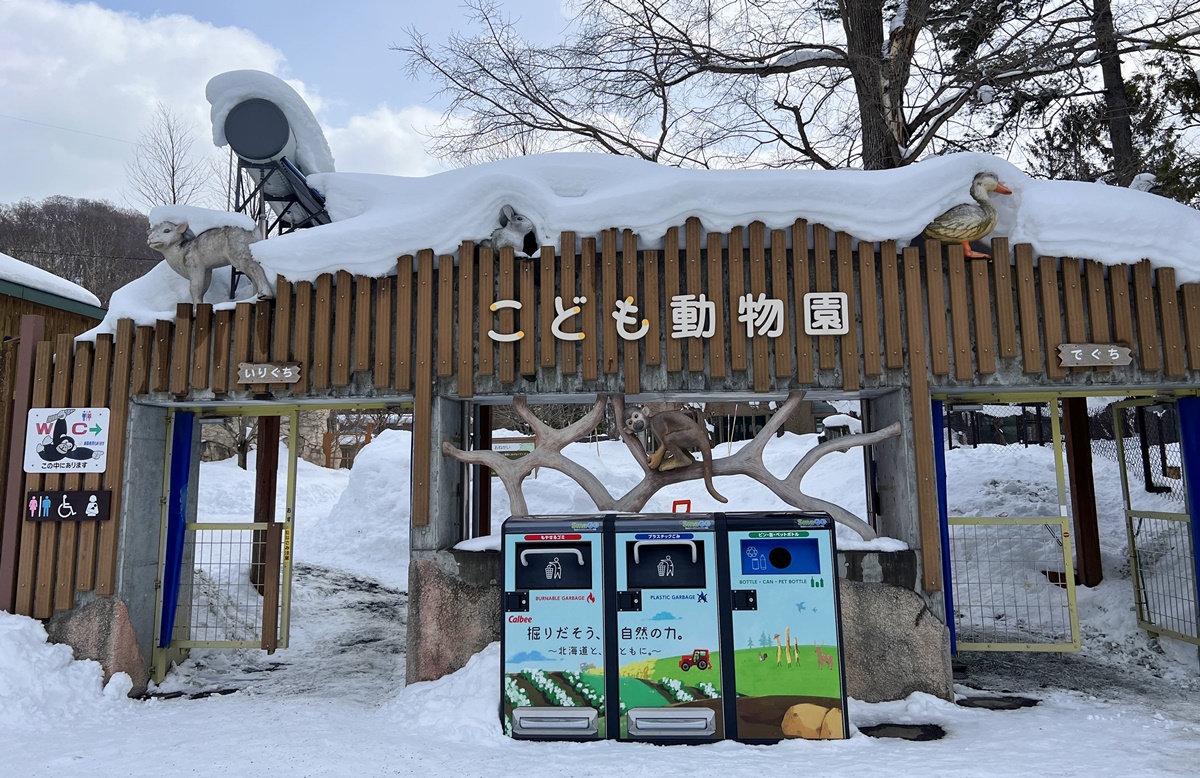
x: 195, y: 256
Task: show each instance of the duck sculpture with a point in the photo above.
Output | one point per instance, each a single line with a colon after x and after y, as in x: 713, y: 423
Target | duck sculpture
x: 965, y: 223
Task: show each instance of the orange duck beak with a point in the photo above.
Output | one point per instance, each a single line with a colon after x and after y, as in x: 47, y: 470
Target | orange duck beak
x: 1002, y: 189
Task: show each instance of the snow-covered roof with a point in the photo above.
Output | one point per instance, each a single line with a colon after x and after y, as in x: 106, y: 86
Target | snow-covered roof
x: 16, y: 271
x: 226, y: 90
x: 378, y: 218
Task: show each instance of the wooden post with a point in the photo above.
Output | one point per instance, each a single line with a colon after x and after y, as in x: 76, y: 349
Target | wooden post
x: 266, y: 475
x: 32, y: 330
x: 1078, y: 440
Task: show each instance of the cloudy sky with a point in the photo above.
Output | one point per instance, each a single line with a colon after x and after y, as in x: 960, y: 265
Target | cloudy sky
x: 79, y: 81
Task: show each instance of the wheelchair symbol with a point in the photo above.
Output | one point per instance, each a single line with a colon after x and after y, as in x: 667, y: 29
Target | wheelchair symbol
x: 65, y: 509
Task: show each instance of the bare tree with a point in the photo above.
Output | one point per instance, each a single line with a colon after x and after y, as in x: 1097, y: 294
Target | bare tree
x: 165, y: 169
x: 719, y: 83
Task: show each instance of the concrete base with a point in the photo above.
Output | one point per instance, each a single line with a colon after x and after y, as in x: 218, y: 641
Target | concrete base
x: 453, y: 610
x: 101, y: 630
x: 893, y: 644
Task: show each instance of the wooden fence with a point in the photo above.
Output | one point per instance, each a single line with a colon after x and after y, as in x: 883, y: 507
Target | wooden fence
x: 424, y: 332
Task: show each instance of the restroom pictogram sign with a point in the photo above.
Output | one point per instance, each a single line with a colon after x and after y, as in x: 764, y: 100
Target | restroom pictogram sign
x: 77, y: 505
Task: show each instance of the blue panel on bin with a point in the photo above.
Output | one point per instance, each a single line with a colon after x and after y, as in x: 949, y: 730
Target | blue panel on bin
x: 791, y: 556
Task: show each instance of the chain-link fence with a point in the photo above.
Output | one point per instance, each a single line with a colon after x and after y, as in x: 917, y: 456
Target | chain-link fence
x: 1151, y: 438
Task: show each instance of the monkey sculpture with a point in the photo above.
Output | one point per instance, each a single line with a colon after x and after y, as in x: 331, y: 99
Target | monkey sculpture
x: 677, y: 433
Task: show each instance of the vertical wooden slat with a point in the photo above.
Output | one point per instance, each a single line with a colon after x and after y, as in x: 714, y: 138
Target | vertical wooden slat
x: 1097, y: 296
x: 695, y: 287
x: 487, y: 318
x: 48, y: 536
x: 570, y: 348
x: 343, y: 327
x: 182, y: 351
x: 445, y: 316
x: 716, y: 293
x: 652, y: 343
x: 466, y: 320
x: 549, y: 343
x: 85, y: 579
x: 528, y: 319
x: 385, y: 323
x: 800, y: 287
x: 609, y: 294
x: 939, y: 347
x: 281, y: 327
x: 1122, y: 307
x: 68, y: 540
x: 222, y: 340
x: 143, y: 355
x: 1006, y: 323
x: 587, y: 290
x: 848, y: 343
x: 163, y: 335
x: 923, y: 441
x: 1072, y: 293
x: 322, y: 333
x: 19, y: 388
x: 302, y: 347
x: 243, y: 322
x: 118, y: 417
x: 1031, y: 352
x: 761, y: 379
x: 960, y: 324
x: 423, y: 395
x: 670, y: 289
x: 739, y: 357
x: 629, y: 281
x: 28, y: 562
x: 1143, y: 291
x: 261, y: 339
x: 202, y: 346
x: 1174, y: 357
x: 869, y: 294
x: 893, y: 335
x: 362, y: 322
x: 1191, y: 322
x: 981, y: 295
x: 782, y: 346
x: 822, y: 264
x: 404, y: 322
x: 508, y: 284
x: 1051, y: 315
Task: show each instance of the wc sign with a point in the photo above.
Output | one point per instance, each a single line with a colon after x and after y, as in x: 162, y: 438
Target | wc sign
x: 66, y: 440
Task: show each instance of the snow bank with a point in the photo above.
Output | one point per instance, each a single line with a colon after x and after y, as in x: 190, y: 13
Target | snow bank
x: 377, y: 218
x: 457, y: 708
x: 367, y: 530
x: 16, y: 271
x: 199, y: 219
x: 227, y: 90
x: 41, y: 683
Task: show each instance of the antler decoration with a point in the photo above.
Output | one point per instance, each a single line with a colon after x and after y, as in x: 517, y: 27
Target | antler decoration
x: 747, y: 461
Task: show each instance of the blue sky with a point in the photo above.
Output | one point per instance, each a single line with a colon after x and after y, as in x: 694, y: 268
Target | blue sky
x: 79, y: 81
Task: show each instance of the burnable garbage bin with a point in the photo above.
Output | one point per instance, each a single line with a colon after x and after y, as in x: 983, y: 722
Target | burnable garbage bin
x: 667, y: 633
x: 552, y: 643
x: 785, y: 620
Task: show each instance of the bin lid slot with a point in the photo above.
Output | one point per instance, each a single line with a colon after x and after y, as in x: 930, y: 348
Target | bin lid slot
x: 578, y: 554
x: 637, y: 545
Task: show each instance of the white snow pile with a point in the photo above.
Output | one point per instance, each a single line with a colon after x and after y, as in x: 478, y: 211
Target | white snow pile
x: 367, y: 530
x: 842, y: 420
x: 199, y: 219
x: 377, y: 218
x: 837, y: 477
x: 42, y: 683
x: 18, y: 272
x: 227, y: 90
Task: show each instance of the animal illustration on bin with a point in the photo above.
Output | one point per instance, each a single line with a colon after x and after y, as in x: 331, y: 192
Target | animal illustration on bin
x: 672, y: 628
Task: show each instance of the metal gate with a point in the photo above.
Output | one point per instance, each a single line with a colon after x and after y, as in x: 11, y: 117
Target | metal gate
x: 1162, y: 552
x: 1010, y: 579
x: 224, y: 584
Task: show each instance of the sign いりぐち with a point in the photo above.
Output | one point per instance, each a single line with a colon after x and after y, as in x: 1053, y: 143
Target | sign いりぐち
x: 268, y: 372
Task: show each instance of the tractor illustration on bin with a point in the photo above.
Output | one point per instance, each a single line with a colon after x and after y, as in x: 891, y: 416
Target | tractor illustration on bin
x: 699, y: 658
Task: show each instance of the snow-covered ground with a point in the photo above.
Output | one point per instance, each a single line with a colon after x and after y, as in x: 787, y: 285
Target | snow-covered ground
x: 334, y: 703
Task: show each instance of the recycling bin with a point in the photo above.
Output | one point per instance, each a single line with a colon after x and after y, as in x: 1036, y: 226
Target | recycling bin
x: 667, y: 686
x: 553, y: 638
x: 784, y: 616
